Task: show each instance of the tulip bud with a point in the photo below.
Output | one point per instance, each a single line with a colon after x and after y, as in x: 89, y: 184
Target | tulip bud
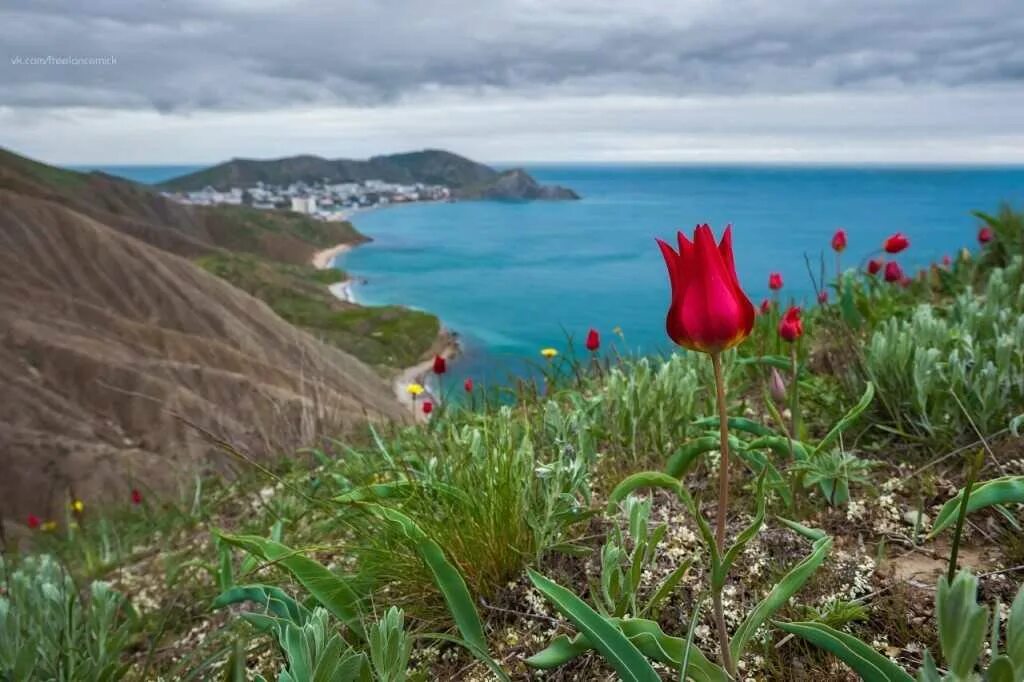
x: 946, y: 260
x: 896, y: 243
x: 136, y: 496
x: 468, y: 385
x: 33, y: 521
x: 839, y: 241
x: 893, y: 272
x: 775, y: 281
x: 593, y: 340
x: 440, y: 365
x: 791, y: 327
x: 766, y: 306
x: 777, y: 388
x: 709, y: 311
x: 985, y: 235
x: 874, y: 266
x: 823, y: 296
x: 428, y: 407
x: 965, y: 255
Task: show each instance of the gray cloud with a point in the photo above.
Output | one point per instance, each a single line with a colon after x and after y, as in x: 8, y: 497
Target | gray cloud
x: 242, y: 56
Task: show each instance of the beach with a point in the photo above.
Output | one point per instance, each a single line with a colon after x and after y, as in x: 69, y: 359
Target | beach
x: 322, y: 259
x: 446, y: 346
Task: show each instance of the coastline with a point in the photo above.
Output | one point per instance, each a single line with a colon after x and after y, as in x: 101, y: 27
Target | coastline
x: 322, y: 260
x: 446, y: 344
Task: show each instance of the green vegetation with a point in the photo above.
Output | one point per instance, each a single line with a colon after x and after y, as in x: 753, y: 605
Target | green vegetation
x: 279, y: 235
x: 382, y: 336
x: 565, y: 524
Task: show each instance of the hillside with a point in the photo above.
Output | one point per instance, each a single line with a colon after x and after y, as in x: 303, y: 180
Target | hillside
x: 110, y: 345
x: 468, y: 179
x: 123, y: 311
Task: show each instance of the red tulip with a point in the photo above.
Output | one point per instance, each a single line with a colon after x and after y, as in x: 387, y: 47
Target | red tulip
x: 766, y: 306
x: 896, y: 243
x: 136, y: 496
x: 428, y: 407
x: 985, y: 235
x: 775, y: 281
x: 839, y: 241
x: 593, y: 340
x: 874, y: 266
x: 947, y: 261
x: 440, y: 365
x: 468, y: 385
x: 893, y: 272
x: 791, y: 327
x: 709, y: 311
x: 823, y: 296
x: 33, y: 521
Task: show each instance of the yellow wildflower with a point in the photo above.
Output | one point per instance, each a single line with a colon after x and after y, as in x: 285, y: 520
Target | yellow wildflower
x: 548, y: 352
x: 78, y: 506
x: 48, y: 526
x: 414, y: 389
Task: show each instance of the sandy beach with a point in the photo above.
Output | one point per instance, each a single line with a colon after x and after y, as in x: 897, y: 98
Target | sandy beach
x: 322, y: 259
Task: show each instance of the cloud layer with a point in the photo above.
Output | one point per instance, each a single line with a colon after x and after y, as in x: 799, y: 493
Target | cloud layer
x: 804, y: 62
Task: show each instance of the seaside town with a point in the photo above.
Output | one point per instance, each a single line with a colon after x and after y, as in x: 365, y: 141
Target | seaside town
x: 322, y: 201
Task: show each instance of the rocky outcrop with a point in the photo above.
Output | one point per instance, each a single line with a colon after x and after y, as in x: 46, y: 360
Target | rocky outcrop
x: 515, y: 185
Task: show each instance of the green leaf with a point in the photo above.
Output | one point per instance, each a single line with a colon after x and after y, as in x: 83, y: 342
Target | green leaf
x: 447, y: 578
x: 865, y: 661
x: 1015, y: 631
x: 776, y: 361
x: 928, y: 672
x: 962, y: 622
x: 1001, y: 670
x: 848, y: 419
x: 811, y: 534
x: 779, y: 595
x: 647, y: 636
x: 235, y: 670
x: 333, y: 593
x: 273, y: 598
x: 379, y: 491
x: 780, y: 446
x: 607, y: 639
x: 683, y: 459
x: 642, y: 479
x: 738, y: 424
x: 1005, y: 490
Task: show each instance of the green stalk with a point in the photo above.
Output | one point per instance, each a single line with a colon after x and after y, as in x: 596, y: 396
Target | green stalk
x: 723, y: 503
x: 972, y: 474
x: 794, y: 407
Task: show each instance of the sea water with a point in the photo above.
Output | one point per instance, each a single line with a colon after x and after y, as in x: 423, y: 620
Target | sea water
x: 514, y: 277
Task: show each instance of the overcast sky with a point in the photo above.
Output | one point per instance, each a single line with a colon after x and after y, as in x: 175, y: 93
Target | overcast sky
x: 918, y: 81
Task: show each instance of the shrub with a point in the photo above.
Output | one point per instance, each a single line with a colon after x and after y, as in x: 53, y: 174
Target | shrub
x: 971, y: 351
x: 48, y: 631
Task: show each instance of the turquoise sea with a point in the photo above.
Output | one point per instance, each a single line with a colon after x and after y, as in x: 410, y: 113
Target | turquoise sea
x: 511, y: 278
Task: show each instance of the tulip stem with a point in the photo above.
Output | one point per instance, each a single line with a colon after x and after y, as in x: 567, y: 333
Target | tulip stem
x: 723, y: 503
x: 794, y: 407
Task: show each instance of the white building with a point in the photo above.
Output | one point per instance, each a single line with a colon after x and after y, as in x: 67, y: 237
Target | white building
x: 305, y: 205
